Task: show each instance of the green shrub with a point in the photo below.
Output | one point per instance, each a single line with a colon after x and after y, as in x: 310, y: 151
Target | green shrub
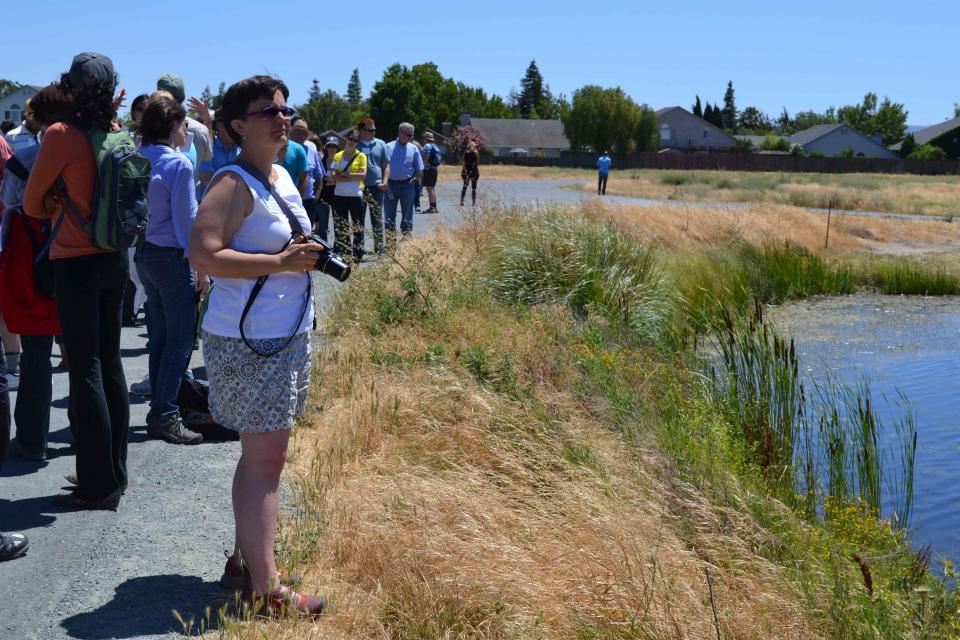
x: 774, y: 143
x: 927, y: 152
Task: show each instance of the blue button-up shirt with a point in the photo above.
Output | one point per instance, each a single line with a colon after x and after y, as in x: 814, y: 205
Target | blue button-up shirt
x: 315, y: 172
x: 171, y: 197
x: 405, y: 160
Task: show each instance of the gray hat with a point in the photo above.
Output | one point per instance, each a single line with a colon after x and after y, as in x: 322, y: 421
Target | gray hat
x: 92, y: 68
x: 174, y: 84
x: 332, y: 140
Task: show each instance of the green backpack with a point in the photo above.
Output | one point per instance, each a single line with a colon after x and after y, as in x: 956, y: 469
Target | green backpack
x: 120, y: 211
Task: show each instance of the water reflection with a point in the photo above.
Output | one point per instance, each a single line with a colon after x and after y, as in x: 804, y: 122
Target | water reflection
x: 909, y: 344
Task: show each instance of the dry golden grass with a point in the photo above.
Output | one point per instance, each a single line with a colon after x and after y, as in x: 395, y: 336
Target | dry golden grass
x: 452, y: 511
x: 692, y: 227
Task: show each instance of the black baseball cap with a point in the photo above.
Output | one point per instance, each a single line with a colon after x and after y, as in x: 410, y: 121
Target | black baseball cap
x: 91, y: 68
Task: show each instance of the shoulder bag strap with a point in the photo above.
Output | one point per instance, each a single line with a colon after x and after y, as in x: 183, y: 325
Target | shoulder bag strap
x: 262, y: 280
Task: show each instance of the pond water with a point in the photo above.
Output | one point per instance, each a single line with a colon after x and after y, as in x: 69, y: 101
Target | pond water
x: 901, y: 344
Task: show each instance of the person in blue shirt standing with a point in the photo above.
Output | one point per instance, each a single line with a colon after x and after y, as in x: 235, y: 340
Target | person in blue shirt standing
x: 293, y: 158
x: 401, y: 176
x: 377, y: 162
x: 603, y: 165
x: 431, y: 170
x: 299, y: 132
x: 224, y: 152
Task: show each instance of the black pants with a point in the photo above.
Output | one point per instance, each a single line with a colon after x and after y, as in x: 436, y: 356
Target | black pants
x: 602, y: 184
x: 346, y: 211
x: 89, y: 291
x: 469, y: 179
x: 32, y: 412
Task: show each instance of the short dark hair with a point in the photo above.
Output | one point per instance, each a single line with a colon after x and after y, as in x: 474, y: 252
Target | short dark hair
x: 366, y: 123
x: 51, y: 105
x: 238, y: 98
x: 160, y: 116
x: 7, y: 125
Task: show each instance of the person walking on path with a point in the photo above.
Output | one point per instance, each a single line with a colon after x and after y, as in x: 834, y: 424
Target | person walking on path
x: 401, y: 175
x: 162, y: 262
x: 431, y: 170
x: 88, y: 285
x: 348, y: 169
x: 250, y: 233
x: 375, y: 150
x: 470, y: 172
x: 603, y: 168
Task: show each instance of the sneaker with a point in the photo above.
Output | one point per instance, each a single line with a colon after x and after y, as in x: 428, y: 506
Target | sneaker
x: 173, y: 431
x: 13, y: 381
x: 13, y: 545
x: 142, y: 388
x: 432, y: 209
x: 280, y: 603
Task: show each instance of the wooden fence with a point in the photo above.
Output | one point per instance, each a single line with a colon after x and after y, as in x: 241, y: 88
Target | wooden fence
x: 741, y: 162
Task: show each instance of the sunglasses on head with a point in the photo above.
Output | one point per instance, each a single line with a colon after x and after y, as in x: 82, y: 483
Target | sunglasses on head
x: 273, y: 112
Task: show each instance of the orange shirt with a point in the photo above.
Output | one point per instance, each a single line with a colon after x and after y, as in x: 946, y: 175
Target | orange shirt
x: 65, y: 152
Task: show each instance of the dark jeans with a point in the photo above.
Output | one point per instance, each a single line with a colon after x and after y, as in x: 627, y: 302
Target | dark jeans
x: 4, y: 409
x: 347, y: 211
x: 402, y: 193
x: 602, y: 184
x: 170, y: 285
x: 374, y: 204
x: 32, y: 413
x: 322, y: 227
x: 89, y: 292
x: 310, y: 206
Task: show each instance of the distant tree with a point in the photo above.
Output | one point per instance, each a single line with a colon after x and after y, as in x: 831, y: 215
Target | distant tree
x: 608, y: 119
x: 927, y: 152
x: 785, y: 123
x: 315, y: 91
x: 8, y: 86
x: 752, y: 119
x: 328, y: 110
x: 218, y: 99
x: 535, y: 101
x: 697, y: 108
x: 729, y: 113
x: 889, y: 119
x: 354, y: 93
x: 716, y: 116
x: 774, y: 143
x: 907, y: 146
x: 206, y: 95
x: 806, y: 119
x: 213, y: 100
x: 708, y: 113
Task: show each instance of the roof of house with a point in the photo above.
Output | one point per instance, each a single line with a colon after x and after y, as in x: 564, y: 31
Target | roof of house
x: 817, y: 131
x: 531, y: 134
x: 756, y: 141
x: 931, y: 133
x: 660, y: 112
x: 31, y: 88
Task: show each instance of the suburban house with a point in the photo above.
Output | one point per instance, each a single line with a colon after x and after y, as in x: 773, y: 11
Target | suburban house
x: 515, y: 137
x: 945, y: 135
x: 683, y: 131
x: 832, y: 139
x: 11, y: 105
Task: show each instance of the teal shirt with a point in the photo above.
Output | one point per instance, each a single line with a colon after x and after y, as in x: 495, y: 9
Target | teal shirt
x: 295, y: 161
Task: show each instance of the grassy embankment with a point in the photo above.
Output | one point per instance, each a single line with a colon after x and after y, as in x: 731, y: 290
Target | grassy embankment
x: 513, y: 434
x: 911, y: 194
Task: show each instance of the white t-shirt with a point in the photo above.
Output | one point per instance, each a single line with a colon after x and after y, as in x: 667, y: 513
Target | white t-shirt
x: 275, y: 312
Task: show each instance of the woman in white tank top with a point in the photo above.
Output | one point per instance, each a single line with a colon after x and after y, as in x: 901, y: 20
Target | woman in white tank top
x: 259, y: 374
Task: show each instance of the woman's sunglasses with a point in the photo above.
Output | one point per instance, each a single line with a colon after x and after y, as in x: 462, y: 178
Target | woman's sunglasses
x: 273, y: 112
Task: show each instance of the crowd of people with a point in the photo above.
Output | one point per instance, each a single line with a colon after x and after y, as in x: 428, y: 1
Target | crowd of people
x: 234, y: 198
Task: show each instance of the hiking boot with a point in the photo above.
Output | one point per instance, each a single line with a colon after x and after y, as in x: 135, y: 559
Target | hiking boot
x: 17, y: 449
x: 12, y: 545
x: 76, y: 501
x: 142, y: 388
x: 172, y: 430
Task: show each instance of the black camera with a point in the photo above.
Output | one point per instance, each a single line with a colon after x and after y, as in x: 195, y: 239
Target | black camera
x: 330, y: 262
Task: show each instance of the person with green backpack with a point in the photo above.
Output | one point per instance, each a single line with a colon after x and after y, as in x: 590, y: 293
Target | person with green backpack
x: 92, y: 185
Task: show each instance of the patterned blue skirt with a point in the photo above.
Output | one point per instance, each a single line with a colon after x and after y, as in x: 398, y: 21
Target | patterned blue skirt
x: 254, y: 394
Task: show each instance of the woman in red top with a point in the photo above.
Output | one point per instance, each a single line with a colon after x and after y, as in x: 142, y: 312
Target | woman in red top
x: 28, y: 312
x: 88, y: 283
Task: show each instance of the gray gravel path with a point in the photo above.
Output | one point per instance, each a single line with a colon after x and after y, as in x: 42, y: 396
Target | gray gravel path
x: 103, y: 575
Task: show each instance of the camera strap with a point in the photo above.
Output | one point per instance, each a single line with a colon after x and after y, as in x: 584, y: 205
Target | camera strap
x: 295, y: 224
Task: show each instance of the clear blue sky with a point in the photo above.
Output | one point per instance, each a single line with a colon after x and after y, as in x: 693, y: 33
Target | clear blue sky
x: 802, y: 55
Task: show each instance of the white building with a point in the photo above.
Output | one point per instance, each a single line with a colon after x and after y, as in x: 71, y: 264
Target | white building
x: 11, y: 105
